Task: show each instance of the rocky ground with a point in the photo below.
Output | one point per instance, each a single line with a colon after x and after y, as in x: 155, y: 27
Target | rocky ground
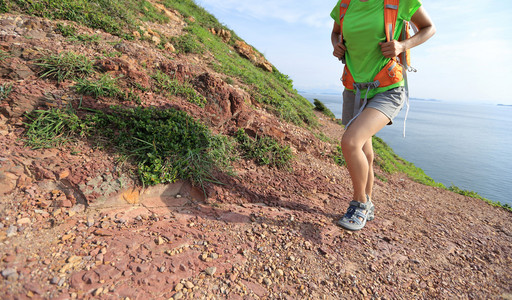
x: 73, y: 224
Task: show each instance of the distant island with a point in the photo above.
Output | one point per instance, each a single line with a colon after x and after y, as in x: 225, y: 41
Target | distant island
x: 422, y: 99
x: 330, y: 92
x: 504, y: 104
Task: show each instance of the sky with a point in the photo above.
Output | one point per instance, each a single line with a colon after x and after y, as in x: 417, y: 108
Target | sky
x: 469, y: 59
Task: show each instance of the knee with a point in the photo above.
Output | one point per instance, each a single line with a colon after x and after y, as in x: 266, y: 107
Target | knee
x: 369, y: 155
x: 349, y: 145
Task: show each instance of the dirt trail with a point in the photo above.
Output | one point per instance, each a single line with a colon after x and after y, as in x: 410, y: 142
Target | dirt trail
x: 279, y: 240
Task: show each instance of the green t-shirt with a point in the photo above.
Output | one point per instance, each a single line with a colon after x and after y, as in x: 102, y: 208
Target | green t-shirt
x: 363, y: 29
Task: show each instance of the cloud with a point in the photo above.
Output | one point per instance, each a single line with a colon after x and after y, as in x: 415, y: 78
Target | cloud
x: 310, y: 13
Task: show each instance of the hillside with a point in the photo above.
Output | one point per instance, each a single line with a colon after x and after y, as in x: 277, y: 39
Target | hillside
x: 148, y: 152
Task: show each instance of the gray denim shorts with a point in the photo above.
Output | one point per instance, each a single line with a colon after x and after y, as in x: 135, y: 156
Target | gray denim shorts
x: 389, y: 103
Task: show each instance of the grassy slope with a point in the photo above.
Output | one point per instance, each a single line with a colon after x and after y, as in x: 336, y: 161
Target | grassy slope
x: 273, y: 90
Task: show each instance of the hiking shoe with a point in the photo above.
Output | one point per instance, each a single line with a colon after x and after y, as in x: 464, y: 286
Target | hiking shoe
x: 357, y: 214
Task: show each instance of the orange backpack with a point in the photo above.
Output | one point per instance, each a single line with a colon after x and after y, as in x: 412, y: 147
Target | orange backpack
x: 393, y: 72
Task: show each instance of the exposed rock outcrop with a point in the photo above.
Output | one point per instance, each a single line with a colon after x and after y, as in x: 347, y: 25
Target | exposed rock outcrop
x: 257, y: 59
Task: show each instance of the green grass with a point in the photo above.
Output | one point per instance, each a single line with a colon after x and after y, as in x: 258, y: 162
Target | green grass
x: 338, y: 157
x: 324, y: 138
x: 66, y: 30
x: 473, y: 194
x: 66, y: 65
x: 264, y: 150
x: 187, y: 43
x: 166, y: 84
x: 105, y: 86
x: 111, y: 54
x: 3, y: 55
x: 118, y: 17
x: 223, y: 152
x: 3, y: 6
x: 86, y: 38
x: 52, y: 128
x: 5, y: 90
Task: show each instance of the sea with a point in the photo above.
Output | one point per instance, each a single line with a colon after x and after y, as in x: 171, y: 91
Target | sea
x: 461, y: 144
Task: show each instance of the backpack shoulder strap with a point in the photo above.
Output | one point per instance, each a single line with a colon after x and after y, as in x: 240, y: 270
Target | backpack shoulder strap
x: 343, y: 10
x: 390, y: 17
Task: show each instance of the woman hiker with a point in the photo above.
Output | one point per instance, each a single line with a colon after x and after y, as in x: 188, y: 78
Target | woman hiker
x: 374, y: 86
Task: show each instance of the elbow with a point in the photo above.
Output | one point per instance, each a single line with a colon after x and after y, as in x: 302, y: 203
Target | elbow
x: 427, y: 31
x: 433, y: 30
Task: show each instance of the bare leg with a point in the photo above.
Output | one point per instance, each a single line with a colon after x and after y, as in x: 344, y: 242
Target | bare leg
x: 368, y: 151
x: 355, y: 141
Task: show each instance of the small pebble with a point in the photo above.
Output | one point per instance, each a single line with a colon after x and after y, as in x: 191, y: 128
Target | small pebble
x: 267, y: 281
x: 10, y: 274
x: 178, y: 295
x: 189, y: 285
x: 23, y: 221
x: 12, y: 231
x: 98, y: 291
x: 211, y: 270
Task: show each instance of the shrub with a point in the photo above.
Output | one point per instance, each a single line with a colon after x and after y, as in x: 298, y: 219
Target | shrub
x: 165, y: 144
x: 322, y: 108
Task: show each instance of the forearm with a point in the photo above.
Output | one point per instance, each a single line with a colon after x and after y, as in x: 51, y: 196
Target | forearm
x: 419, y: 38
x: 337, y: 45
x: 335, y: 39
